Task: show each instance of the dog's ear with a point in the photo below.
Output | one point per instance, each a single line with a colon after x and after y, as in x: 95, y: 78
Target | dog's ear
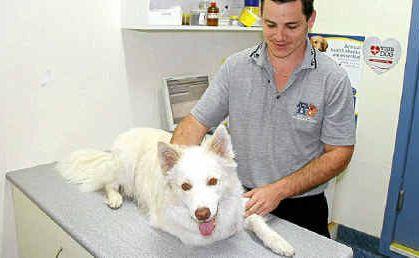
x: 168, y: 156
x: 325, y: 45
x: 220, y: 143
x: 312, y: 41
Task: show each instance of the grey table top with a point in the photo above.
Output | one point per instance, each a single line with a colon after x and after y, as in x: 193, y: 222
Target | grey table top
x: 126, y: 233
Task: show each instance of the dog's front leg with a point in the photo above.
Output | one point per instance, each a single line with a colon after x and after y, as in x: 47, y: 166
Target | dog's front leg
x: 268, y: 236
x: 113, y: 198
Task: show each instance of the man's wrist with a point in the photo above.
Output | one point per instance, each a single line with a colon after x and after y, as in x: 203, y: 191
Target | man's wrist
x: 282, y: 189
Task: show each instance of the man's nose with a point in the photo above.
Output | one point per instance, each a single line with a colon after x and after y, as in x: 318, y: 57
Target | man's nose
x: 280, y: 34
x: 202, y: 213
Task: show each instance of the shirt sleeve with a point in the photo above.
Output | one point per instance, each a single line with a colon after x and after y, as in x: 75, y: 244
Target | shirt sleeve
x: 338, y: 126
x: 212, y: 108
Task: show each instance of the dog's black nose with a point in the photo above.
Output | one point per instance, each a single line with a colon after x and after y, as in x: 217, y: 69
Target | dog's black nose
x: 202, y: 213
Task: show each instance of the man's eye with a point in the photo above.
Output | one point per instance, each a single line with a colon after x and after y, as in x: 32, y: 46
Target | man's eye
x: 186, y: 186
x: 292, y: 27
x: 270, y: 25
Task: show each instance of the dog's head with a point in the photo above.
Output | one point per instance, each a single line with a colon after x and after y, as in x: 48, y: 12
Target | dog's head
x: 198, y: 176
x: 319, y: 43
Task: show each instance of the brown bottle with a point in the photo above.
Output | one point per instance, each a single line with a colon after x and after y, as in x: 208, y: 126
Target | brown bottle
x: 212, y: 14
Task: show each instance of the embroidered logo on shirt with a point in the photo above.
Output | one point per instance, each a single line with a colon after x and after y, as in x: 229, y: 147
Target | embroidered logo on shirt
x: 306, y: 112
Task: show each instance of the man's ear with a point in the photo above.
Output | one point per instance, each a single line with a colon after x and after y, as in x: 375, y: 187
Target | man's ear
x: 220, y: 143
x: 311, y: 20
x: 168, y: 156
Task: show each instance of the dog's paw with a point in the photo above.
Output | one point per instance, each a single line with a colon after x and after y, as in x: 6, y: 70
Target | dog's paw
x: 114, y: 201
x: 279, y: 245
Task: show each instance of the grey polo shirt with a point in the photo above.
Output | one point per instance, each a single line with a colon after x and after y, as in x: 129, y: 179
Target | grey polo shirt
x: 276, y: 133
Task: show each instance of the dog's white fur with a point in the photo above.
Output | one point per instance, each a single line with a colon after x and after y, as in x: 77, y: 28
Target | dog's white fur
x: 144, y: 166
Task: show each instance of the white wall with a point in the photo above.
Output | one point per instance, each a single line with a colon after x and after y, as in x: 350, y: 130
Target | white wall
x: 103, y: 80
x: 150, y: 56
x: 360, y: 196
x: 85, y: 104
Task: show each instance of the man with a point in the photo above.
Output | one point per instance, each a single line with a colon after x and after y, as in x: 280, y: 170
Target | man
x: 291, y: 117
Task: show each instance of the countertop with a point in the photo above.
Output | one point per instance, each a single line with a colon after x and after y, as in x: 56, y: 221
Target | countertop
x: 126, y: 232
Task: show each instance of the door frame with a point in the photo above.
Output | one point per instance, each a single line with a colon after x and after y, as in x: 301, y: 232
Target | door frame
x: 409, y: 96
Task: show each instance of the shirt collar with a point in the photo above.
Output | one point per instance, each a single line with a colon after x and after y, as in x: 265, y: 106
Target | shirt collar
x: 310, y: 57
x: 259, y: 55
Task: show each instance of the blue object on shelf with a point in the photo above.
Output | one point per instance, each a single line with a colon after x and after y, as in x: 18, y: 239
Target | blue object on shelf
x: 254, y: 3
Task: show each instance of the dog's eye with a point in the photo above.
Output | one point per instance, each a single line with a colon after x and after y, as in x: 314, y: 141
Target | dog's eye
x: 186, y: 186
x: 212, y: 181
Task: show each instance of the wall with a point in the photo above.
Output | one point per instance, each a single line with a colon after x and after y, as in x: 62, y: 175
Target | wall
x: 150, y: 56
x: 85, y: 102
x: 361, y: 192
x: 71, y: 78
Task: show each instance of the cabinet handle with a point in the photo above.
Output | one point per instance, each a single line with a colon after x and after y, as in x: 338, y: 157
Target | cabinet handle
x: 59, y: 252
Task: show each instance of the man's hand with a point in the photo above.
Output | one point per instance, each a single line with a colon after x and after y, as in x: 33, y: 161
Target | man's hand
x: 262, y: 200
x: 318, y: 171
x: 189, y: 132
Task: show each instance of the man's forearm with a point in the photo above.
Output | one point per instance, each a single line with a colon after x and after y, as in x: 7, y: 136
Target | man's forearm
x: 189, y: 132
x: 316, y: 172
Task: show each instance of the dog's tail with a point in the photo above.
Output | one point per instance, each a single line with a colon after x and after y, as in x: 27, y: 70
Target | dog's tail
x: 90, y: 169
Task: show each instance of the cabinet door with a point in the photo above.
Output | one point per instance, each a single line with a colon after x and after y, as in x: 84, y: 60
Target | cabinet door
x: 400, y: 232
x: 39, y: 236
x: 407, y: 220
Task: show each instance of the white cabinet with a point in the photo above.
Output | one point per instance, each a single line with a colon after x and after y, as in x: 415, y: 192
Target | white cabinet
x: 39, y: 236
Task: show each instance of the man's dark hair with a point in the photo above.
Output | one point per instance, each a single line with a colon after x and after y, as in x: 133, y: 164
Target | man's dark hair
x: 307, y: 6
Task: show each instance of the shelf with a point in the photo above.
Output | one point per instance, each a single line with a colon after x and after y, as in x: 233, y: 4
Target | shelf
x: 190, y: 28
x: 135, y: 13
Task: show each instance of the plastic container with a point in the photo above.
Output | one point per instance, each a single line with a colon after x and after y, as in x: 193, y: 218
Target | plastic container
x: 252, y: 6
x: 224, y: 18
x: 249, y: 18
x: 250, y: 15
x: 234, y: 20
x: 198, y: 18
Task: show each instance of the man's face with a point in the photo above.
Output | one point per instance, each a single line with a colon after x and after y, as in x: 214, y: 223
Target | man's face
x: 285, y: 27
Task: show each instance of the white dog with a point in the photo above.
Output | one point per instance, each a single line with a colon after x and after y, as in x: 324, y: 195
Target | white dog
x: 191, y: 192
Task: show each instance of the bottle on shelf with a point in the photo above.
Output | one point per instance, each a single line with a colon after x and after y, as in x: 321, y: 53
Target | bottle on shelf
x: 224, y: 18
x: 253, y: 6
x: 250, y: 14
x: 212, y: 14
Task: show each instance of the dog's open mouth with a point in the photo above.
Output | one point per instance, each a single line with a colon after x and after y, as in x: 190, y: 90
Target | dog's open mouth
x: 206, y: 228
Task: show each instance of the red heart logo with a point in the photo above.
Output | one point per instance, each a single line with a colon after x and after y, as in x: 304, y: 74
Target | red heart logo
x: 375, y: 49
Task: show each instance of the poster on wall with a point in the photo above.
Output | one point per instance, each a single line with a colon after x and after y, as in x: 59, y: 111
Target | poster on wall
x: 381, y: 56
x: 346, y: 51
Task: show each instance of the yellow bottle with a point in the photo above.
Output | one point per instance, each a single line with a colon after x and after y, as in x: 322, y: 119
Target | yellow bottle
x: 250, y: 14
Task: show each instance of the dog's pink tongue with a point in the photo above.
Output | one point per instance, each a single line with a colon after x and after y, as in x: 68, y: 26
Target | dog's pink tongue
x: 207, y: 228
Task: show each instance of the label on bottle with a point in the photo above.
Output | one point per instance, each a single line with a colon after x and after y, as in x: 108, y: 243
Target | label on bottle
x: 212, y: 16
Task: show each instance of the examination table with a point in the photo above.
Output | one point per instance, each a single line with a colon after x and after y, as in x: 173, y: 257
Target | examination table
x: 55, y: 219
